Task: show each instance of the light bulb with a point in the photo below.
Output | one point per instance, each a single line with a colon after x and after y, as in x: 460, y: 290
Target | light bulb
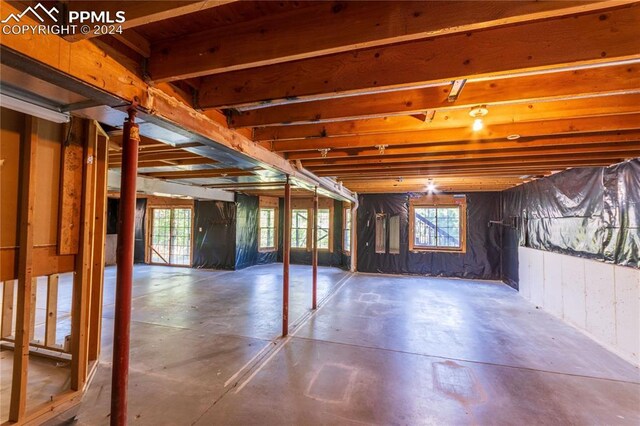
x: 477, y: 124
x: 431, y: 187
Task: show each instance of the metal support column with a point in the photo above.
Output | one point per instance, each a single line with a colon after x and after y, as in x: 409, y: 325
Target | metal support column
x: 285, y: 258
x: 124, y: 277
x: 314, y: 255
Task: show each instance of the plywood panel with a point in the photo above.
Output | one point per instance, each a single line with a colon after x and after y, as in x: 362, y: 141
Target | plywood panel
x: 11, y: 127
x: 573, y: 293
x: 47, y: 182
x: 628, y: 312
x: 70, y: 190
x: 600, y: 301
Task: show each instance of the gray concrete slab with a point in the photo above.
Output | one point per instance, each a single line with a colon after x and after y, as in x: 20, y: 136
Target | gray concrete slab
x: 380, y: 350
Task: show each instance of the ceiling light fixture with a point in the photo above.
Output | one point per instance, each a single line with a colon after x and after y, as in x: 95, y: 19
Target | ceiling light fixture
x: 431, y: 187
x: 477, y: 113
x: 513, y: 137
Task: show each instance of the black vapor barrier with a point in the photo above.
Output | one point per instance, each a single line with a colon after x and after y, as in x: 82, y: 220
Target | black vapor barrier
x: 587, y: 212
x: 113, y: 215
x: 333, y: 257
x: 247, y: 252
x: 214, y: 235
x: 481, y: 261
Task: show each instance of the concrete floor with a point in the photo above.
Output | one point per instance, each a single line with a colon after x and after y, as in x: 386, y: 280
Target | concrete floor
x: 381, y: 350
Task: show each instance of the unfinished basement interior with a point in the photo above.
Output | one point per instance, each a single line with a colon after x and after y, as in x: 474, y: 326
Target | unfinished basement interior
x: 306, y: 213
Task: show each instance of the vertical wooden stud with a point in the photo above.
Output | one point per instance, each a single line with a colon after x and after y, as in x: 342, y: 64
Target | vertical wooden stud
x: 52, y: 311
x: 80, y: 300
x: 97, y: 279
x: 32, y: 316
x: 8, y: 288
x: 25, y: 270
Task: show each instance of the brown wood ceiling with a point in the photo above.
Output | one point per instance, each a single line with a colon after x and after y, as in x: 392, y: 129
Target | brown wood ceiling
x: 360, y: 91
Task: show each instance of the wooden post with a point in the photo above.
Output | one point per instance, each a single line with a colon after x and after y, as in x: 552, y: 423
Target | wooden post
x: 97, y: 279
x: 52, y: 311
x: 32, y: 317
x: 314, y: 254
x: 8, y: 288
x: 354, y: 235
x: 124, y: 278
x: 286, y: 248
x: 81, y: 281
x: 25, y: 270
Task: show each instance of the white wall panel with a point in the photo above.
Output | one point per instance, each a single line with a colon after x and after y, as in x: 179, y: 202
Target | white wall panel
x: 601, y: 299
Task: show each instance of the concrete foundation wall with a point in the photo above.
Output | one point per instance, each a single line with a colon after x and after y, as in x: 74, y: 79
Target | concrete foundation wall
x: 601, y: 299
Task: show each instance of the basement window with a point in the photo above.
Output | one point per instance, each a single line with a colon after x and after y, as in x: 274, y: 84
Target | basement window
x: 267, y: 230
x: 438, y: 224
x: 346, y: 231
x: 299, y: 227
x: 381, y: 233
x: 394, y: 234
x: 324, y: 221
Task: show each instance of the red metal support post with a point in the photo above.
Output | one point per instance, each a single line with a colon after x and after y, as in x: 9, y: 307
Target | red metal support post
x: 124, y: 273
x: 314, y: 256
x: 285, y: 258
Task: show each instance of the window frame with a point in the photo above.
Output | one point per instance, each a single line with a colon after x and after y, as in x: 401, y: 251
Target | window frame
x: 309, y: 229
x: 159, y: 204
x: 346, y: 210
x: 307, y: 204
x: 329, y: 237
x: 275, y: 229
x: 439, y: 201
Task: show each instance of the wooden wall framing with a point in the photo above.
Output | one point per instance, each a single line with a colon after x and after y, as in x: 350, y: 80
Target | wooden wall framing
x: 35, y: 253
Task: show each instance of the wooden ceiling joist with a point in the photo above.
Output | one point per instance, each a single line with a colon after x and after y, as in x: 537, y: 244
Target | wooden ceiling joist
x: 427, y: 137
x: 592, y: 38
x: 552, y: 152
x: 139, y: 13
x: 572, y: 87
x: 521, y: 146
x: 345, y: 26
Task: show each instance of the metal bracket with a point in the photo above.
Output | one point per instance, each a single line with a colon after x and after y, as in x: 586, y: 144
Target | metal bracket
x: 324, y: 151
x: 381, y: 148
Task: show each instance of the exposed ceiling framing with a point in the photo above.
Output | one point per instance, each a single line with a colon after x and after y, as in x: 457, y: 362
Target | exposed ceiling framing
x: 360, y: 92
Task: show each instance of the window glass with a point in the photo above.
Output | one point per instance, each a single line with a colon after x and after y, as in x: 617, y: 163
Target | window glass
x: 381, y: 233
x: 436, y: 227
x: 394, y: 234
x: 299, y: 223
x: 323, y: 228
x: 346, y: 237
x: 267, y: 228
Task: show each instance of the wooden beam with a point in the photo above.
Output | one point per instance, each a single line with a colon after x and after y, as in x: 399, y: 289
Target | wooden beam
x: 503, y: 114
x: 29, y: 144
x: 445, y: 153
x: 49, y: 56
x: 193, y: 174
x: 593, y: 38
x: 70, y: 189
x: 345, y: 26
x: 563, y: 127
x: 506, y: 159
x: 139, y: 13
x: 135, y: 42
x: 48, y: 262
x: 523, y: 144
x: 562, y: 91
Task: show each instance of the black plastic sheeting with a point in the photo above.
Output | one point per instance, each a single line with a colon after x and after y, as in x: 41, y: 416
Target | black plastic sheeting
x: 141, y: 214
x: 247, y: 253
x: 586, y: 212
x: 214, y: 235
x: 481, y: 261
x: 325, y: 258
x: 113, y: 213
